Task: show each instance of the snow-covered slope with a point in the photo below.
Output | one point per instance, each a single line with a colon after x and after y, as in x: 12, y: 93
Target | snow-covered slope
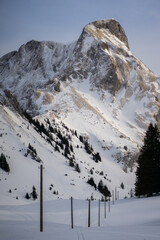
x: 95, y: 86
x: 16, y: 135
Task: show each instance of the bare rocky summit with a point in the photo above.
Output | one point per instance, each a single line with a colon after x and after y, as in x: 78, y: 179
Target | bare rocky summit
x: 40, y: 71
x: 114, y: 27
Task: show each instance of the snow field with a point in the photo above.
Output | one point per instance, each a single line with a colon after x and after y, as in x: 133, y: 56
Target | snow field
x: 135, y: 219
x: 17, y: 133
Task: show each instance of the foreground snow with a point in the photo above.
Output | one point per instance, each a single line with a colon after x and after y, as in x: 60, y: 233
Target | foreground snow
x: 134, y: 219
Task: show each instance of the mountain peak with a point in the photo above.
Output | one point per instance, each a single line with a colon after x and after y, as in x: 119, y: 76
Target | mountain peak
x: 114, y: 28
x: 95, y: 90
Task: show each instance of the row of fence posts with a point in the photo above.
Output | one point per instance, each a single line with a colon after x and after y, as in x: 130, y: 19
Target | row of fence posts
x: 89, y: 204
x: 89, y: 211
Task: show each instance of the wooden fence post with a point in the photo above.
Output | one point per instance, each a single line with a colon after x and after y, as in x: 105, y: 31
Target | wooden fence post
x: 105, y: 207
x: 71, y: 212
x: 99, y: 214
x: 109, y: 205
x: 89, y: 212
x: 41, y: 198
x: 113, y: 196
x: 115, y: 193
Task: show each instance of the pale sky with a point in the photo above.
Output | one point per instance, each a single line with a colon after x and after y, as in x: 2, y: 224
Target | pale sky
x: 63, y: 21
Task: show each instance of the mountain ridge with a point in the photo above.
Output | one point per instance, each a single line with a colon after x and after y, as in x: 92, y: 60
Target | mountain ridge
x: 95, y: 86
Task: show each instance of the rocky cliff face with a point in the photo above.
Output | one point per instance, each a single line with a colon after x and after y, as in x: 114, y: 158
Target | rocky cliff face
x: 114, y: 27
x: 43, y: 75
x: 32, y: 67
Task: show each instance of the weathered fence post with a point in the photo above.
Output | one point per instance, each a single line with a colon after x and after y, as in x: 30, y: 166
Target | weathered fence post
x: 105, y: 207
x: 41, y: 198
x: 115, y: 193
x: 113, y: 196
x: 99, y: 214
x: 89, y: 212
x: 71, y: 212
x: 109, y: 204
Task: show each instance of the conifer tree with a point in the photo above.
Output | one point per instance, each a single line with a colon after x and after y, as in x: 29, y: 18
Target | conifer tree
x: 148, y: 170
x: 103, y: 189
x: 92, y: 183
x: 100, y: 186
x: 88, y: 148
x: 27, y: 196
x: 34, y: 193
x: 71, y: 163
x: 77, y: 168
x: 66, y: 151
x: 3, y: 163
x: 97, y: 157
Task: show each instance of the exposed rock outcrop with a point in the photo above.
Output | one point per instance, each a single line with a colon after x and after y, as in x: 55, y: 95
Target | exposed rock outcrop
x: 101, y: 56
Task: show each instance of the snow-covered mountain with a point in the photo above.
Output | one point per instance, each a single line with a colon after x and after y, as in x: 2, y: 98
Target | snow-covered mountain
x: 94, y: 86
x: 65, y: 175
